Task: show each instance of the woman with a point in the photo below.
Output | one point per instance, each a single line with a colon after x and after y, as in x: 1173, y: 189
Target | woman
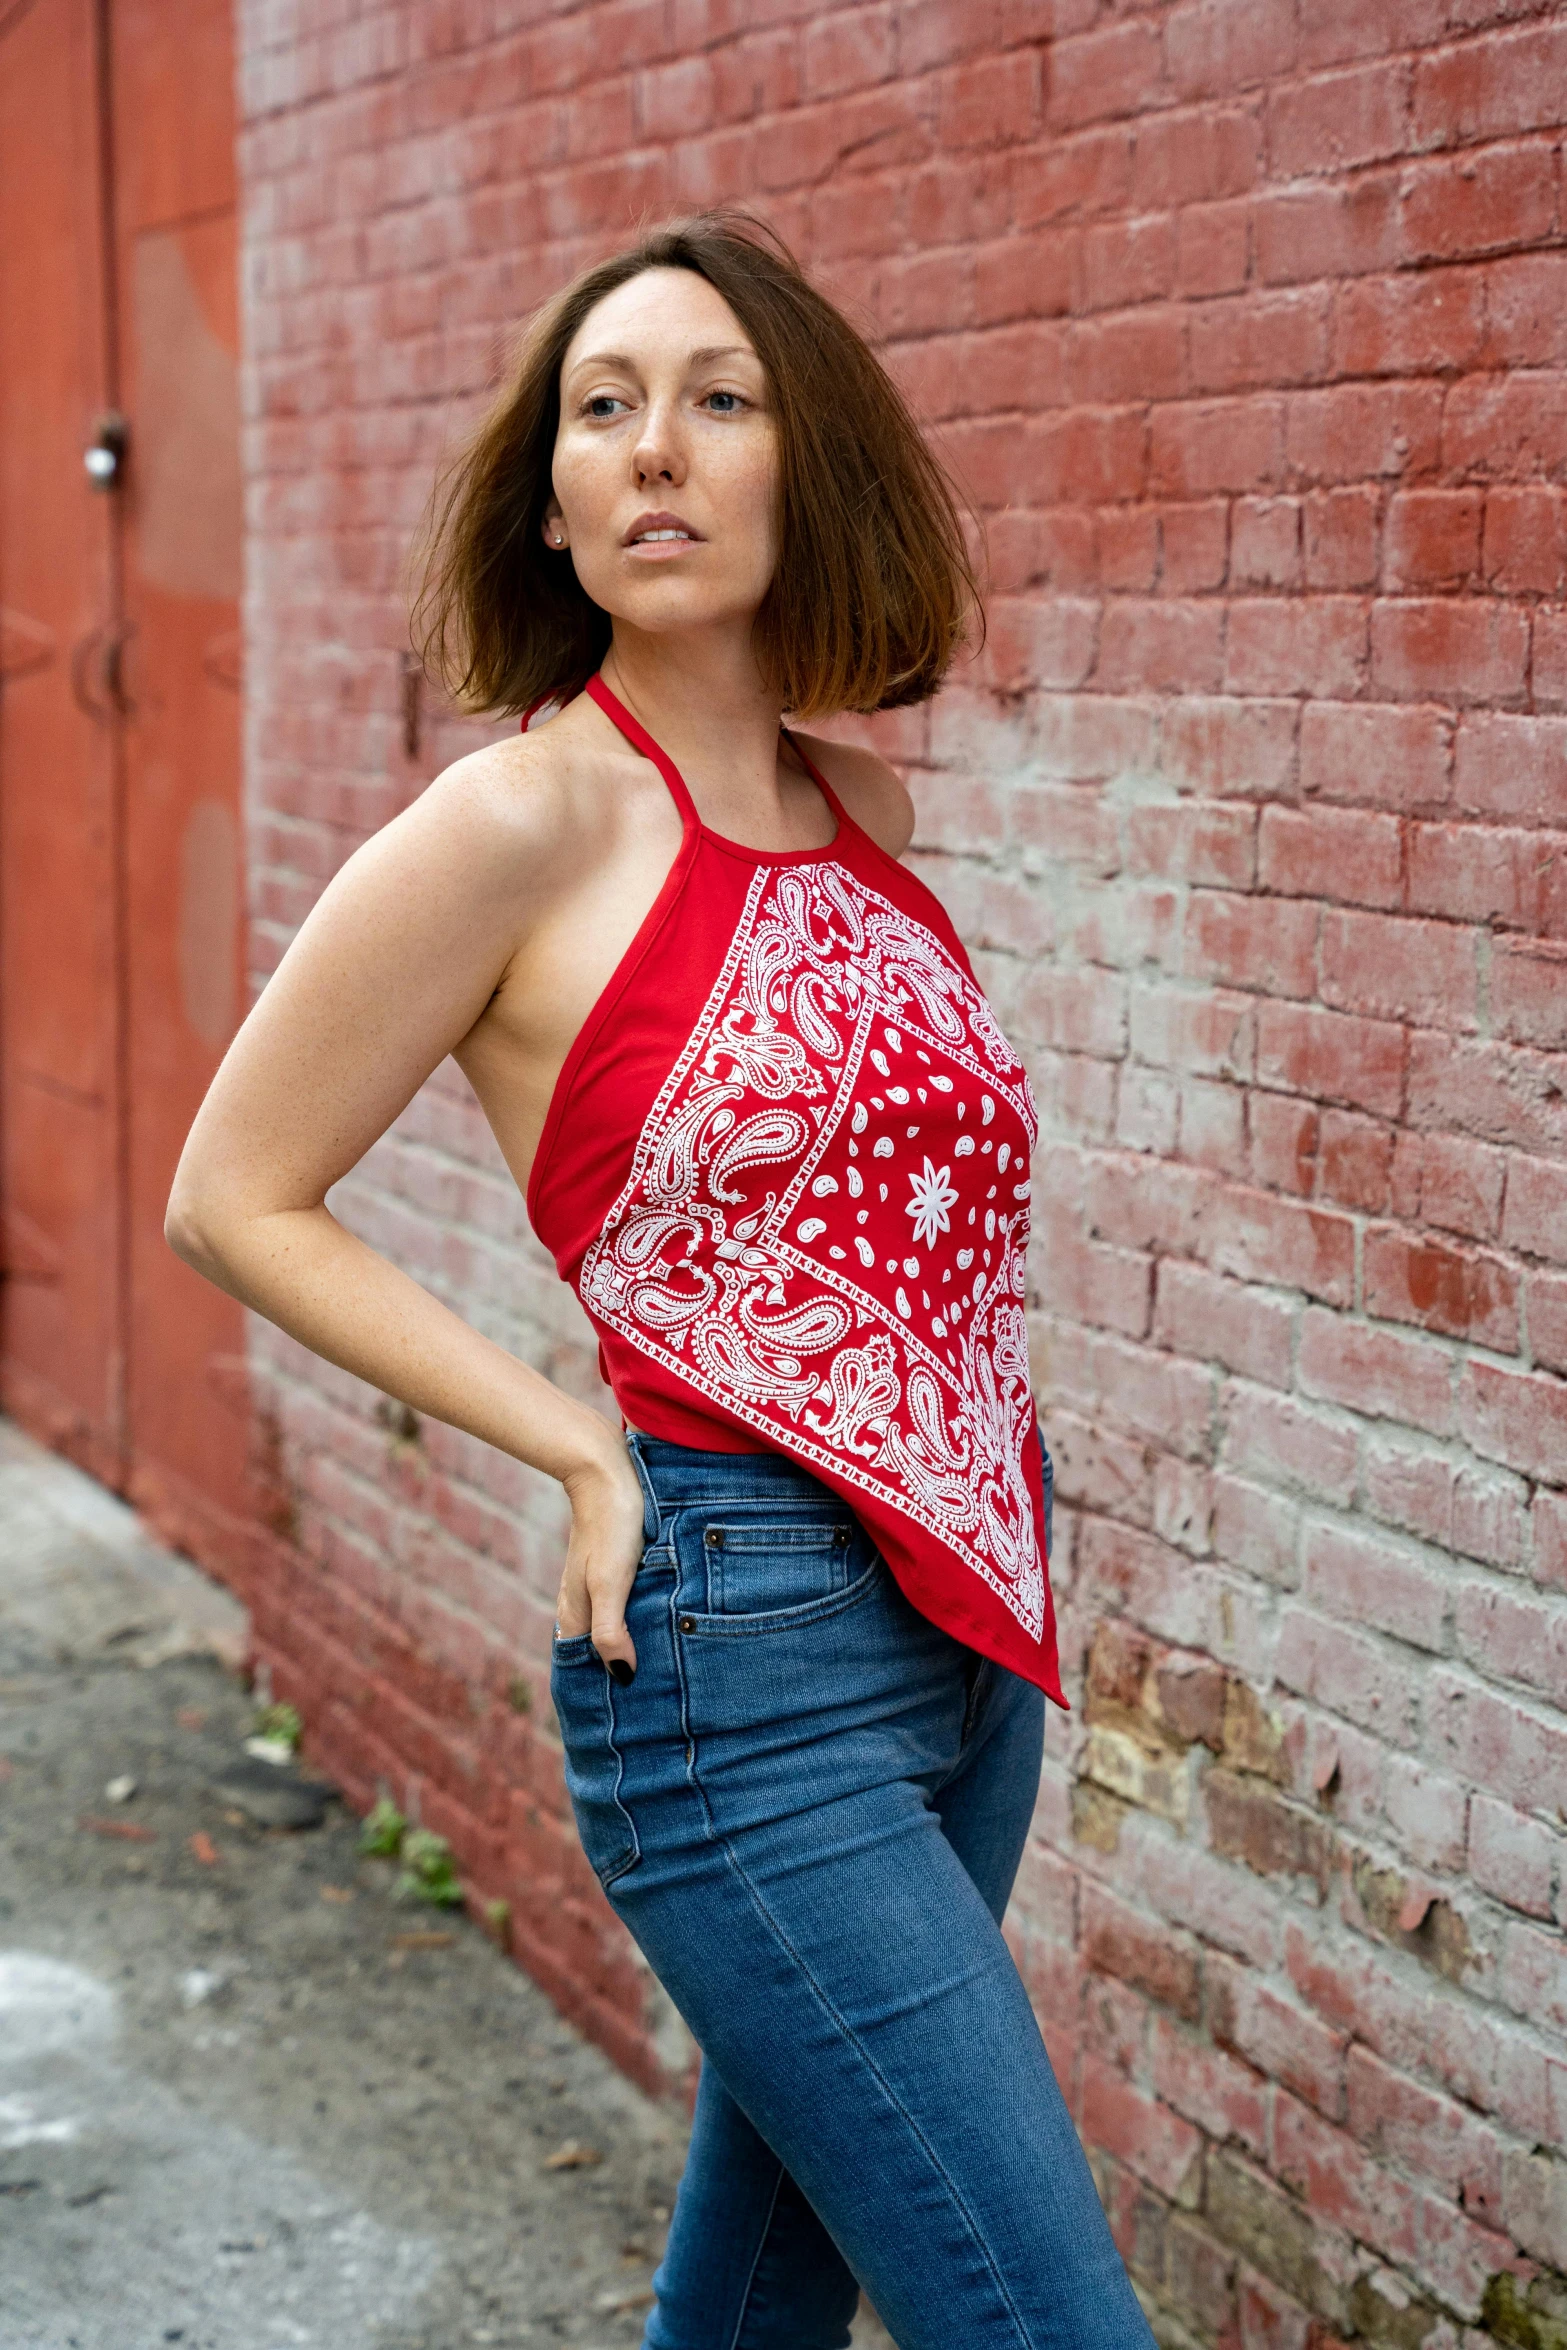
x: 770, y: 1130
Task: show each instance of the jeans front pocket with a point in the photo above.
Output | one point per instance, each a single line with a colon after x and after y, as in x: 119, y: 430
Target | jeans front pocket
x: 760, y: 1561
x: 584, y: 1699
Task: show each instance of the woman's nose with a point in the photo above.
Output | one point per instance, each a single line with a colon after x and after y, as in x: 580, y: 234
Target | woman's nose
x: 658, y: 455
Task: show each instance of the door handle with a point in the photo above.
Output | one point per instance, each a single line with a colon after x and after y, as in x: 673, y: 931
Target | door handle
x: 106, y: 642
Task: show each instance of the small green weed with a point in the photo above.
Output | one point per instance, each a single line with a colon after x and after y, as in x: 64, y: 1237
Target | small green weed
x: 428, y: 1873
x: 382, y: 1830
x: 281, y: 1722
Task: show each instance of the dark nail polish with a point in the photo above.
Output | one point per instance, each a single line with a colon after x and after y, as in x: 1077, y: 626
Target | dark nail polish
x: 620, y: 1671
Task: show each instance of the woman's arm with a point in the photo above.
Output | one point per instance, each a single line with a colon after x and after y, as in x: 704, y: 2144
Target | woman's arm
x: 388, y: 973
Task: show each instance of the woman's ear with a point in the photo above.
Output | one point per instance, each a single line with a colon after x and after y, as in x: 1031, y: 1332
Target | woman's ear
x: 554, y: 525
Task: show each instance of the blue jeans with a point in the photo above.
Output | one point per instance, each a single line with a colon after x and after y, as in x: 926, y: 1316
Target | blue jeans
x: 808, y: 1807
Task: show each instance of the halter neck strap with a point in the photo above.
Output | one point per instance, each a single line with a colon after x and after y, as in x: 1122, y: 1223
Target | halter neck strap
x: 637, y: 735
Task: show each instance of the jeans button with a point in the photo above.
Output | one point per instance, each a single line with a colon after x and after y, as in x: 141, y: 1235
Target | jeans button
x: 688, y: 1623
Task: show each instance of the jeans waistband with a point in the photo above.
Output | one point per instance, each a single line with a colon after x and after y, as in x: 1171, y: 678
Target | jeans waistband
x: 675, y: 1476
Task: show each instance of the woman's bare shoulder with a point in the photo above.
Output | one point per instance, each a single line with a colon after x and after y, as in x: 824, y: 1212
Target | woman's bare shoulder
x: 873, y: 792
x: 522, y: 800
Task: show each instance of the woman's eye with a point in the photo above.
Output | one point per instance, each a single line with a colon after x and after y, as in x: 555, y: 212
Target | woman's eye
x: 601, y: 403
x: 734, y: 399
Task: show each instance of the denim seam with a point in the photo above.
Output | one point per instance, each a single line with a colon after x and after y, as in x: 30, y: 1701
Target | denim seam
x: 635, y: 1854
x: 613, y: 1874
x: 840, y: 2024
x: 707, y: 1624
x: 857, y: 2044
x: 761, y: 2247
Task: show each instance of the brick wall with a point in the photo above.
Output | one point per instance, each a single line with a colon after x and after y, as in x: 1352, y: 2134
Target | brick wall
x: 1246, y: 323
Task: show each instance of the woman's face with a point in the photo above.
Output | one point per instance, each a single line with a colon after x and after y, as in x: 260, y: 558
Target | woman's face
x: 666, y: 459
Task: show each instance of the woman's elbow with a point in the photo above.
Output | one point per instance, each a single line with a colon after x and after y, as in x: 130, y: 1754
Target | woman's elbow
x: 188, y: 1229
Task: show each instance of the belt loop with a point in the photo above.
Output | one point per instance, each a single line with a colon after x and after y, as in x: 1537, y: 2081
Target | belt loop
x: 651, y: 1518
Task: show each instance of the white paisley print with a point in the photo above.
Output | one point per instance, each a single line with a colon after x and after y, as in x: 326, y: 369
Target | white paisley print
x: 826, y: 1219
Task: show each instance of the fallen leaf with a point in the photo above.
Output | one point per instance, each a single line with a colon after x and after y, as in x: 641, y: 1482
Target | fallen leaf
x: 236, y: 1819
x: 192, y: 1717
x: 132, y: 1830
x: 337, y: 1892
x: 205, y: 1850
x: 422, y: 1940
x: 121, y: 1790
x: 642, y: 2298
x: 573, y: 2156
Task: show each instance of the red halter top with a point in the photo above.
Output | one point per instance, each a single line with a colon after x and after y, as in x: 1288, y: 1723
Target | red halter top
x: 786, y: 1170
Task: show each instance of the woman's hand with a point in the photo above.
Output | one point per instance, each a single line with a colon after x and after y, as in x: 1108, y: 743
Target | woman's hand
x: 602, y: 1557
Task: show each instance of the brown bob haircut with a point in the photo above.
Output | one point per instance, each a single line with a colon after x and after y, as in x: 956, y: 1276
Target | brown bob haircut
x: 874, y: 587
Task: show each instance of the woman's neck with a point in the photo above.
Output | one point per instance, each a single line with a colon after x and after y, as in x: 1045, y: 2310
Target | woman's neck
x: 705, y: 703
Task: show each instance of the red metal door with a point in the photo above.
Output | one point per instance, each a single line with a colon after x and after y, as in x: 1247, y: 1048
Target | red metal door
x: 172, y: 76
x: 121, y: 946
x: 60, y: 1133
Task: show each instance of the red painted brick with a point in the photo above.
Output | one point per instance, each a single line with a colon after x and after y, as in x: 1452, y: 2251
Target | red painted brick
x: 1365, y: 1578
x: 1265, y: 543
x: 990, y: 101
x: 1330, y: 2170
x: 1526, y: 542
x: 1495, y: 201
x: 1280, y: 2038
x: 1151, y: 2140
x: 848, y: 49
x: 1211, y: 247
x: 1349, y: 1674
x: 1128, y: 261
x: 1260, y: 340
x: 1196, y: 449
x: 1281, y: 646
x: 1196, y: 155
x: 1342, y: 532
x: 1117, y: 1940
x: 1330, y: 1056
x: 1423, y: 321
x: 1215, y: 47
x: 1194, y: 545
x: 1431, y: 540
x: 1525, y: 317
x: 1489, y: 873
x: 1154, y: 646
x: 1451, y: 650
x: 1393, y: 969
x: 1529, y: 992
x: 1510, y: 427
x: 1502, y: 82
x: 1326, y: 229
x: 1360, y: 432
x: 1511, y: 767
x: 1225, y: 2097
x: 1338, y: 120
x: 1327, y: 852
x: 1113, y: 71
x: 1514, y: 1857
x: 1463, y: 1293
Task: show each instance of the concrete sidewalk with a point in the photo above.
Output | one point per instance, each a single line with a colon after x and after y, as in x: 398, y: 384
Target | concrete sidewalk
x: 248, y: 2101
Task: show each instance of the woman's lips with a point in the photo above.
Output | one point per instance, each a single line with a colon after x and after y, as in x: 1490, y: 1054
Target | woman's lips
x: 662, y: 545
